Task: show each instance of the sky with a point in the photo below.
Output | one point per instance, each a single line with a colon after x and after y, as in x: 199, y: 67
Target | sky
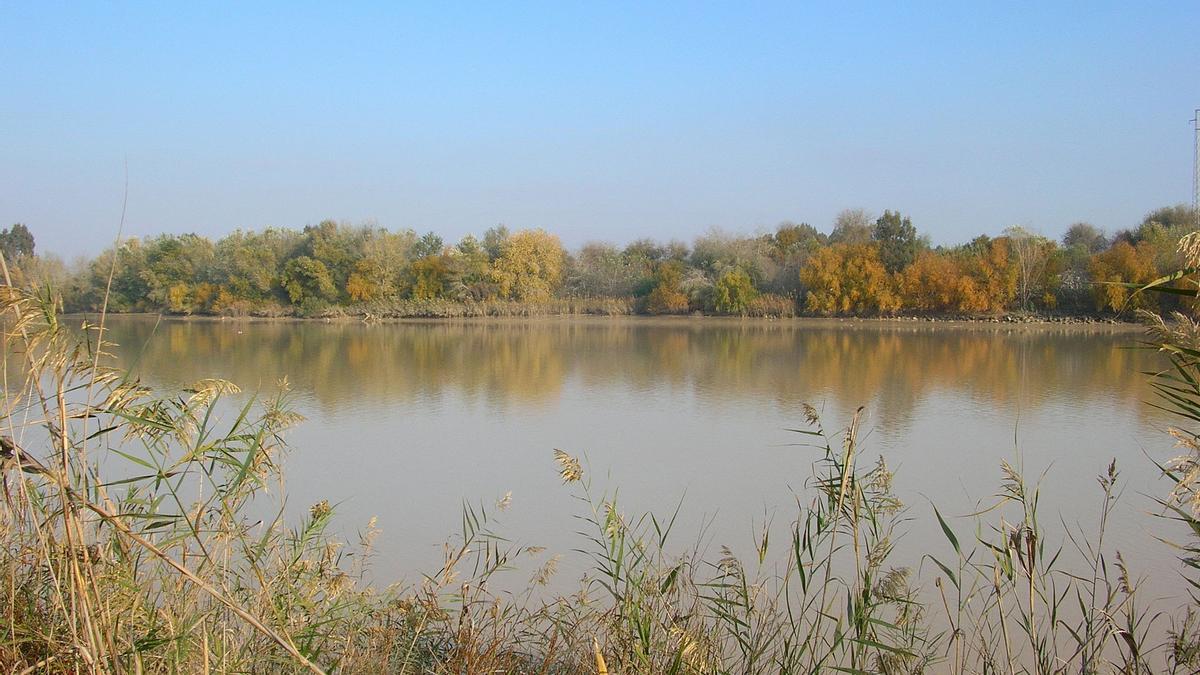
x: 600, y: 121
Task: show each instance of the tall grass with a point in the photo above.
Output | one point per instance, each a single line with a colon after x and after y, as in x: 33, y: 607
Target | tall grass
x: 144, y: 532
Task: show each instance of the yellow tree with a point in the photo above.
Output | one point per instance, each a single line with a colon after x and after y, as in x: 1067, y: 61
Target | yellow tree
x: 1123, y: 263
x: 848, y: 279
x: 429, y: 277
x: 363, y: 284
x: 989, y: 281
x: 530, y: 267
x: 931, y: 283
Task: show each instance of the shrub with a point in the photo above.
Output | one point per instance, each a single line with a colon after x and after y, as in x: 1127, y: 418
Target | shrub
x: 733, y: 292
x: 666, y: 296
x: 772, y: 306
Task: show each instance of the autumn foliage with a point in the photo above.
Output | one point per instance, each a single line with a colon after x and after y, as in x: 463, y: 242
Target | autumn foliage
x: 861, y: 268
x: 849, y: 279
x: 1124, y: 263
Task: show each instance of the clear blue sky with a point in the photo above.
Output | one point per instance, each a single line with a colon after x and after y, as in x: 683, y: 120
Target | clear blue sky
x: 595, y: 120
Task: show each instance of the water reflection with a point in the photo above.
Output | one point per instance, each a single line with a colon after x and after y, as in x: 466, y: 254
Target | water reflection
x: 892, y: 368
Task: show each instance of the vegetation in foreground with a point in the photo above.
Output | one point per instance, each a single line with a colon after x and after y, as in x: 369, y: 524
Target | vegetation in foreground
x: 172, y: 568
x: 863, y: 266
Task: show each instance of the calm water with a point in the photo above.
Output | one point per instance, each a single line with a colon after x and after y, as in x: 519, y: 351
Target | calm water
x: 406, y: 421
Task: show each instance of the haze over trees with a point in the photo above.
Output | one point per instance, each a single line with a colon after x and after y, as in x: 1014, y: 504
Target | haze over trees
x: 864, y: 266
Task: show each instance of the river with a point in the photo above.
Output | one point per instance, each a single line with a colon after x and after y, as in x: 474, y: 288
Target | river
x: 407, y: 421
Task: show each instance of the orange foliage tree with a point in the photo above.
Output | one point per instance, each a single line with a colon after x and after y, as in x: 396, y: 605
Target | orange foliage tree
x: 932, y: 283
x: 848, y: 279
x: 1123, y: 263
x: 989, y: 281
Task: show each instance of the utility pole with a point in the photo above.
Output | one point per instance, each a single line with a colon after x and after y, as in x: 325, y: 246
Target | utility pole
x: 1196, y: 170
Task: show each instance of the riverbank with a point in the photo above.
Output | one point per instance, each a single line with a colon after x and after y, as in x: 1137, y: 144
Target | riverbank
x: 1006, y: 321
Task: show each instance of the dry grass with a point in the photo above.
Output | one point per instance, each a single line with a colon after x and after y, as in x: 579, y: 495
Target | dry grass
x: 772, y: 306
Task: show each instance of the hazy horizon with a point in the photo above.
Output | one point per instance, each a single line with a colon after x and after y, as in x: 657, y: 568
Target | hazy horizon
x: 596, y: 123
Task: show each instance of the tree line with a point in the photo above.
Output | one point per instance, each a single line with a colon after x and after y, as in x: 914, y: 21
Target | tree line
x: 863, y: 266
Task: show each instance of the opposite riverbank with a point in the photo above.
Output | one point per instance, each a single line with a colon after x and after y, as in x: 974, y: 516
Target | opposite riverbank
x: 1008, y: 321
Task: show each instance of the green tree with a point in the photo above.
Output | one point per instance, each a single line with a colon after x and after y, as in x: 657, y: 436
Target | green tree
x: 429, y: 244
x: 248, y: 264
x: 471, y: 274
x: 791, y: 240
x: 16, y: 242
x: 494, y: 241
x: 308, y: 283
x: 338, y: 248
x: 1085, y: 236
x: 897, y: 240
x: 733, y: 292
x: 1179, y: 216
x: 128, y: 292
x: 178, y: 272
